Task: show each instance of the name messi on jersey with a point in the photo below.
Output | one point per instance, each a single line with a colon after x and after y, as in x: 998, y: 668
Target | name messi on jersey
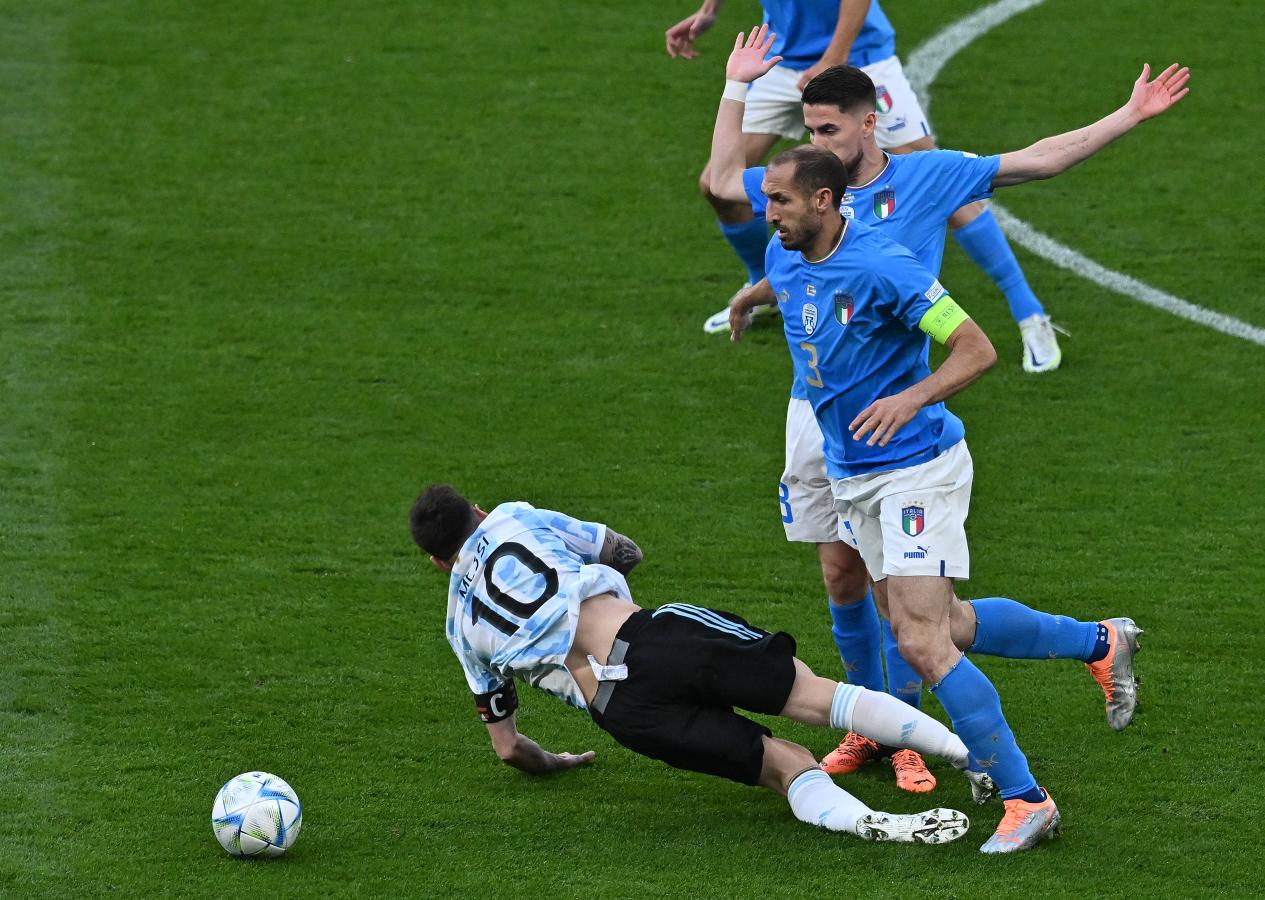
x: 467, y: 580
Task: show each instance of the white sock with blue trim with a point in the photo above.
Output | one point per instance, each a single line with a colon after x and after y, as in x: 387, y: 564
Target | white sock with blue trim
x: 817, y: 800
x: 893, y: 723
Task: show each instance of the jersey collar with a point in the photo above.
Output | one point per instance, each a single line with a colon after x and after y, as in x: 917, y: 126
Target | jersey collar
x: 881, y: 172
x: 839, y: 243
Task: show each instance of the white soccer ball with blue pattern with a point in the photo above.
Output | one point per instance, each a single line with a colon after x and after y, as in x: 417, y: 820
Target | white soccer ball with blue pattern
x: 256, y: 814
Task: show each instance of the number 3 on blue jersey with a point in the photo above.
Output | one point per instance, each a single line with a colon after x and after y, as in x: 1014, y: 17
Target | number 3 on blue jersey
x: 784, y: 500
x: 814, y: 378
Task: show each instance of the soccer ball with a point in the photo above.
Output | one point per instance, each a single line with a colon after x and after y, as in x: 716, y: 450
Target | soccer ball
x: 256, y: 814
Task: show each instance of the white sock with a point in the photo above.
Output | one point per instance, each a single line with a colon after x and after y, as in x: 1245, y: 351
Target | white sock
x: 817, y: 800
x: 891, y: 722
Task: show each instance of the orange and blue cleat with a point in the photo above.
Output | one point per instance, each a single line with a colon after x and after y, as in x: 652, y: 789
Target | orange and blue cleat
x: 1024, y: 826
x: 1114, y: 672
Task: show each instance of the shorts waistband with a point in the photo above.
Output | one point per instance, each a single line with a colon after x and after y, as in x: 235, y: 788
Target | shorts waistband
x: 619, y: 649
x: 870, y: 57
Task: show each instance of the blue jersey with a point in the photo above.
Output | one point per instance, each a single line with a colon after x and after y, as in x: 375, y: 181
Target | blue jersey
x: 804, y: 29
x: 910, y: 201
x: 515, y: 593
x: 851, y: 323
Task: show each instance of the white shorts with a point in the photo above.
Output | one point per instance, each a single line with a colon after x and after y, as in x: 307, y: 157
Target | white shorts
x: 911, y: 521
x: 807, y: 502
x: 900, y: 117
x: 774, y: 105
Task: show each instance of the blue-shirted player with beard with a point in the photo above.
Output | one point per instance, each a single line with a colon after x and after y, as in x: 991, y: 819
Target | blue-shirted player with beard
x: 910, y: 198
x: 858, y: 311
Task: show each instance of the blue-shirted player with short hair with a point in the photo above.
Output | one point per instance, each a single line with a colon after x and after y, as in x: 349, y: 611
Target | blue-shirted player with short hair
x: 910, y: 198
x: 858, y: 311
x: 811, y: 36
x: 540, y: 597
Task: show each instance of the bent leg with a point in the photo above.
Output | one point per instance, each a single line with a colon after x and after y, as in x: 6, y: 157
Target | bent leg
x: 920, y: 607
x: 880, y: 717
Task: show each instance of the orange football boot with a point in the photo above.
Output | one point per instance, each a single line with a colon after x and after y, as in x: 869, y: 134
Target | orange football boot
x: 852, y: 753
x: 911, y: 772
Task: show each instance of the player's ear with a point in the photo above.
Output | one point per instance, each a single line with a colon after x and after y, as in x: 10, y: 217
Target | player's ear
x: 869, y: 122
x: 479, y: 515
x: 825, y: 201
x: 442, y: 564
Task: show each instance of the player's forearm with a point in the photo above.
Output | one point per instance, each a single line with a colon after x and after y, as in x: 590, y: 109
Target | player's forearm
x: 969, y: 357
x: 1054, y: 155
x: 851, y: 17
x: 759, y: 294
x: 728, y: 160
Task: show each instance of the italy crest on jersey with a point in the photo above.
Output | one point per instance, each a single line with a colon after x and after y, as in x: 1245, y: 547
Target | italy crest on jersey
x: 809, y: 316
x: 883, y: 100
x: 912, y: 520
x: 884, y: 203
x: 843, y: 307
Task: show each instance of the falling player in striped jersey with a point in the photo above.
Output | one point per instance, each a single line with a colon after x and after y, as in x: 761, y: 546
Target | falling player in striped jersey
x: 540, y: 597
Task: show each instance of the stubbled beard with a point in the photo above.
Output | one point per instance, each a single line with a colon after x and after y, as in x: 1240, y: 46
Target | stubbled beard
x: 802, y: 240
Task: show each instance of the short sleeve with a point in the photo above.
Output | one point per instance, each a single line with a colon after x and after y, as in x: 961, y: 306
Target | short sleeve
x: 907, y: 287
x: 753, y: 182
x: 479, y: 677
x: 961, y: 178
x: 584, y: 539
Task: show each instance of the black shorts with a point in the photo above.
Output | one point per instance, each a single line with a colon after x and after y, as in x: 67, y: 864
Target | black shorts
x: 688, y: 667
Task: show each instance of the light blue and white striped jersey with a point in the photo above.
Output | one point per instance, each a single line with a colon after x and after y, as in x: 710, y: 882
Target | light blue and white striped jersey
x: 515, y: 594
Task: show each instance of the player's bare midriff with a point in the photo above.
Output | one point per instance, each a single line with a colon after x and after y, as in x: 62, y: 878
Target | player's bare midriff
x: 601, y: 617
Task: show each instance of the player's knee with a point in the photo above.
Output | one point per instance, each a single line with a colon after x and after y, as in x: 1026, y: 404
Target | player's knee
x: 846, y: 581
x: 921, y: 647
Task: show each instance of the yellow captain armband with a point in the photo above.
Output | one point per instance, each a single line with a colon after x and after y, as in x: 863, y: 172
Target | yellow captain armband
x: 942, y: 319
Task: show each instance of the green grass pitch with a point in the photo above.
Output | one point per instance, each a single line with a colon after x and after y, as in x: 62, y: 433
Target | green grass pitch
x: 267, y: 268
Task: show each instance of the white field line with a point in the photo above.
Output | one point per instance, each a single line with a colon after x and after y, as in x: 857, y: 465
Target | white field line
x: 922, y: 68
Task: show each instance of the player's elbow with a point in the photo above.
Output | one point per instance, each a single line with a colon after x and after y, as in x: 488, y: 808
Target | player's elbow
x: 987, y: 355
x: 630, y: 557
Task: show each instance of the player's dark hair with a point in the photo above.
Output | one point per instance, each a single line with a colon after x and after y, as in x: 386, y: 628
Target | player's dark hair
x: 845, y: 87
x: 814, y: 168
x: 441, y: 520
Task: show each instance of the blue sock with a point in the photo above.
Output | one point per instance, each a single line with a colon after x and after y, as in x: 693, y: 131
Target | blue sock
x: 856, y: 634
x: 987, y: 246
x: 749, y: 240
x: 975, y: 709
x: 1007, y: 628
x: 903, y: 682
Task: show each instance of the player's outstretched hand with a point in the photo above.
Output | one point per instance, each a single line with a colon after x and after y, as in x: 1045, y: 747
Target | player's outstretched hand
x: 571, y: 760
x: 1151, y: 98
x: 681, y: 36
x: 747, y: 62
x: 883, y: 418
